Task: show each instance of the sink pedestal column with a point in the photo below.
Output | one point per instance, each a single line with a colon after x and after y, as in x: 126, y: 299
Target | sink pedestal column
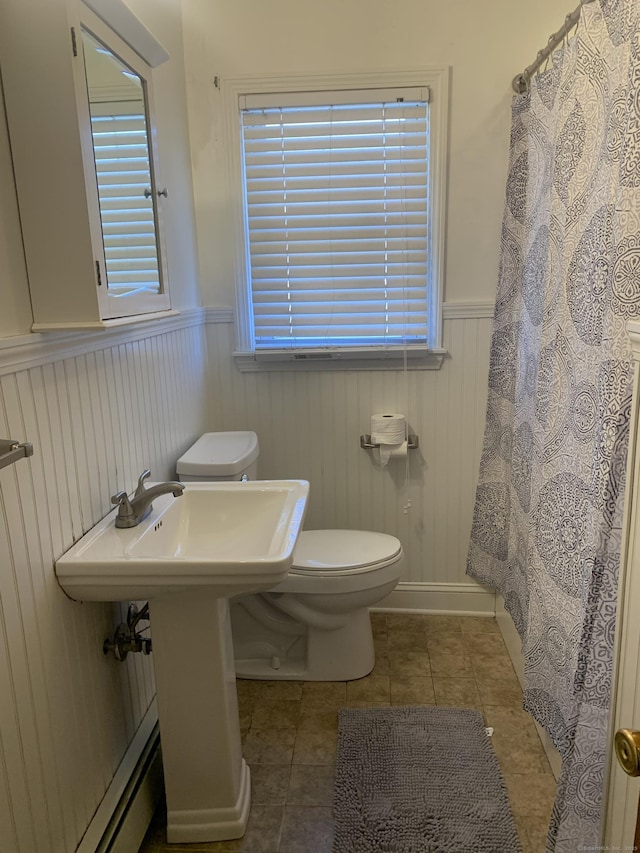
x: 206, y: 778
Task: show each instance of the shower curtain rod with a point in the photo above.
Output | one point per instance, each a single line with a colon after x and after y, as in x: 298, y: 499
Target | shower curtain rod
x: 520, y: 82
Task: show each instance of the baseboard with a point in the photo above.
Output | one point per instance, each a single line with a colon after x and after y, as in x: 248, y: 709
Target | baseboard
x: 514, y: 647
x: 123, y: 817
x: 446, y: 598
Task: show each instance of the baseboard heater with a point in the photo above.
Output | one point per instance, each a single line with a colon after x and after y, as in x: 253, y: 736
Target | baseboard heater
x: 132, y: 816
x: 123, y: 817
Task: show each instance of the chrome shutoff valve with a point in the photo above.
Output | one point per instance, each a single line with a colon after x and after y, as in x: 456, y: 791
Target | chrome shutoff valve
x: 126, y: 638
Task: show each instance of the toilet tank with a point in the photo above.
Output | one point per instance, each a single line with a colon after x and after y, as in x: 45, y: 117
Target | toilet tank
x: 220, y: 456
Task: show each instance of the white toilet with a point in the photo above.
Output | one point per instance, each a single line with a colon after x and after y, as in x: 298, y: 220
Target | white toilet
x: 314, y: 626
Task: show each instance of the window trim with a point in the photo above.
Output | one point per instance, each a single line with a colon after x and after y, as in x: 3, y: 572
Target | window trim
x: 436, y: 79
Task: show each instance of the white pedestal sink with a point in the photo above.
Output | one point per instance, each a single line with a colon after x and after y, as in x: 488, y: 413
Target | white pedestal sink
x: 206, y: 778
x: 186, y: 558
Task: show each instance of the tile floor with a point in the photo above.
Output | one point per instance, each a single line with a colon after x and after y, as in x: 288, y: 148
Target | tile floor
x: 290, y: 730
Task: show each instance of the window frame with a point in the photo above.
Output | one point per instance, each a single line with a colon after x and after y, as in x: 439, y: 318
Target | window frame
x: 436, y: 80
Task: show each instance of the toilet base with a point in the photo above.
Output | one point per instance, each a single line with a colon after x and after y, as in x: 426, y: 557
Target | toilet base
x: 341, y: 654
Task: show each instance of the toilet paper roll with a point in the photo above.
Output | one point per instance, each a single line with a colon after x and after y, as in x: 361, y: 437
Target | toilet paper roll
x: 388, y: 428
x: 392, y: 451
x: 389, y: 432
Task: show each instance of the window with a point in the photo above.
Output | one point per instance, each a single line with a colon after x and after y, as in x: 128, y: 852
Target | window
x: 338, y: 216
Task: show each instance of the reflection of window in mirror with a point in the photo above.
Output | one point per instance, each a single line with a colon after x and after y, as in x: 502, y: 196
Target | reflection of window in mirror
x: 118, y: 89
x: 123, y: 170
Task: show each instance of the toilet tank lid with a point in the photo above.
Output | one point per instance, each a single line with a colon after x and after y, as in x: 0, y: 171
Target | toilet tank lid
x: 218, y: 454
x: 336, y: 550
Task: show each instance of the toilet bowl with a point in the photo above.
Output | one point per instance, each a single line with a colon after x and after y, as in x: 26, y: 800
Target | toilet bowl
x: 314, y: 625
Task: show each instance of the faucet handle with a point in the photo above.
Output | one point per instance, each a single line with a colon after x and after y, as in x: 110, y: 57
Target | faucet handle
x: 140, y: 487
x: 121, y: 499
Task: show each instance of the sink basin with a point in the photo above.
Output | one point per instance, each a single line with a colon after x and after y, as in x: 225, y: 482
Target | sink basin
x: 230, y: 536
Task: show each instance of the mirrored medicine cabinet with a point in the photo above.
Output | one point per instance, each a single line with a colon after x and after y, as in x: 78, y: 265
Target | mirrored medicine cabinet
x: 124, y: 172
x: 91, y: 200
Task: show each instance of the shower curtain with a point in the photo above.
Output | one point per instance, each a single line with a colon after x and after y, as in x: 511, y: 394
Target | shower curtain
x: 547, y: 523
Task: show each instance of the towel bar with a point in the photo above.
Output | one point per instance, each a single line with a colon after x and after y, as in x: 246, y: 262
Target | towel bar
x: 11, y: 451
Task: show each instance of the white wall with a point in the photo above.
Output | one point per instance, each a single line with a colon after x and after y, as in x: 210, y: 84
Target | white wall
x: 98, y: 409
x: 309, y: 423
x: 15, y: 316
x: 485, y: 44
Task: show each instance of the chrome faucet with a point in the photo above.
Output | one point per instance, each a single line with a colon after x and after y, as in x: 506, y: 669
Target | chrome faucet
x: 134, y: 510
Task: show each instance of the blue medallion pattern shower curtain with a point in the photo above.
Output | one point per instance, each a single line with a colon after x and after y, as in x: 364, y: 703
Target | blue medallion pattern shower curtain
x: 547, y: 523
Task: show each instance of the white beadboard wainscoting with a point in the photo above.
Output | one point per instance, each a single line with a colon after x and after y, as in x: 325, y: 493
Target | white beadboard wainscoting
x: 309, y: 424
x: 98, y: 410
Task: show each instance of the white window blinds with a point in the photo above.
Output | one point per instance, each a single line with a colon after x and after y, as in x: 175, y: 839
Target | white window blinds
x: 128, y: 223
x: 336, y: 206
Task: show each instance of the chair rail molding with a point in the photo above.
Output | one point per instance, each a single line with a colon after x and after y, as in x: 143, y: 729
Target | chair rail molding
x: 21, y: 352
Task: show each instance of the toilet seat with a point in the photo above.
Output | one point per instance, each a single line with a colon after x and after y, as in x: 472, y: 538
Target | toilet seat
x: 334, y: 553
x: 332, y: 565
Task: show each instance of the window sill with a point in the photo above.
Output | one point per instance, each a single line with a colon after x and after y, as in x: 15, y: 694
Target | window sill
x: 338, y: 360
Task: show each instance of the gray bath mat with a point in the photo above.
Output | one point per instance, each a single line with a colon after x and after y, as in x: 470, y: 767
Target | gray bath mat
x: 419, y: 780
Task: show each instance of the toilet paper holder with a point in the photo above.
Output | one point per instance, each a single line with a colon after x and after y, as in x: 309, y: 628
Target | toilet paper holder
x: 367, y: 444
